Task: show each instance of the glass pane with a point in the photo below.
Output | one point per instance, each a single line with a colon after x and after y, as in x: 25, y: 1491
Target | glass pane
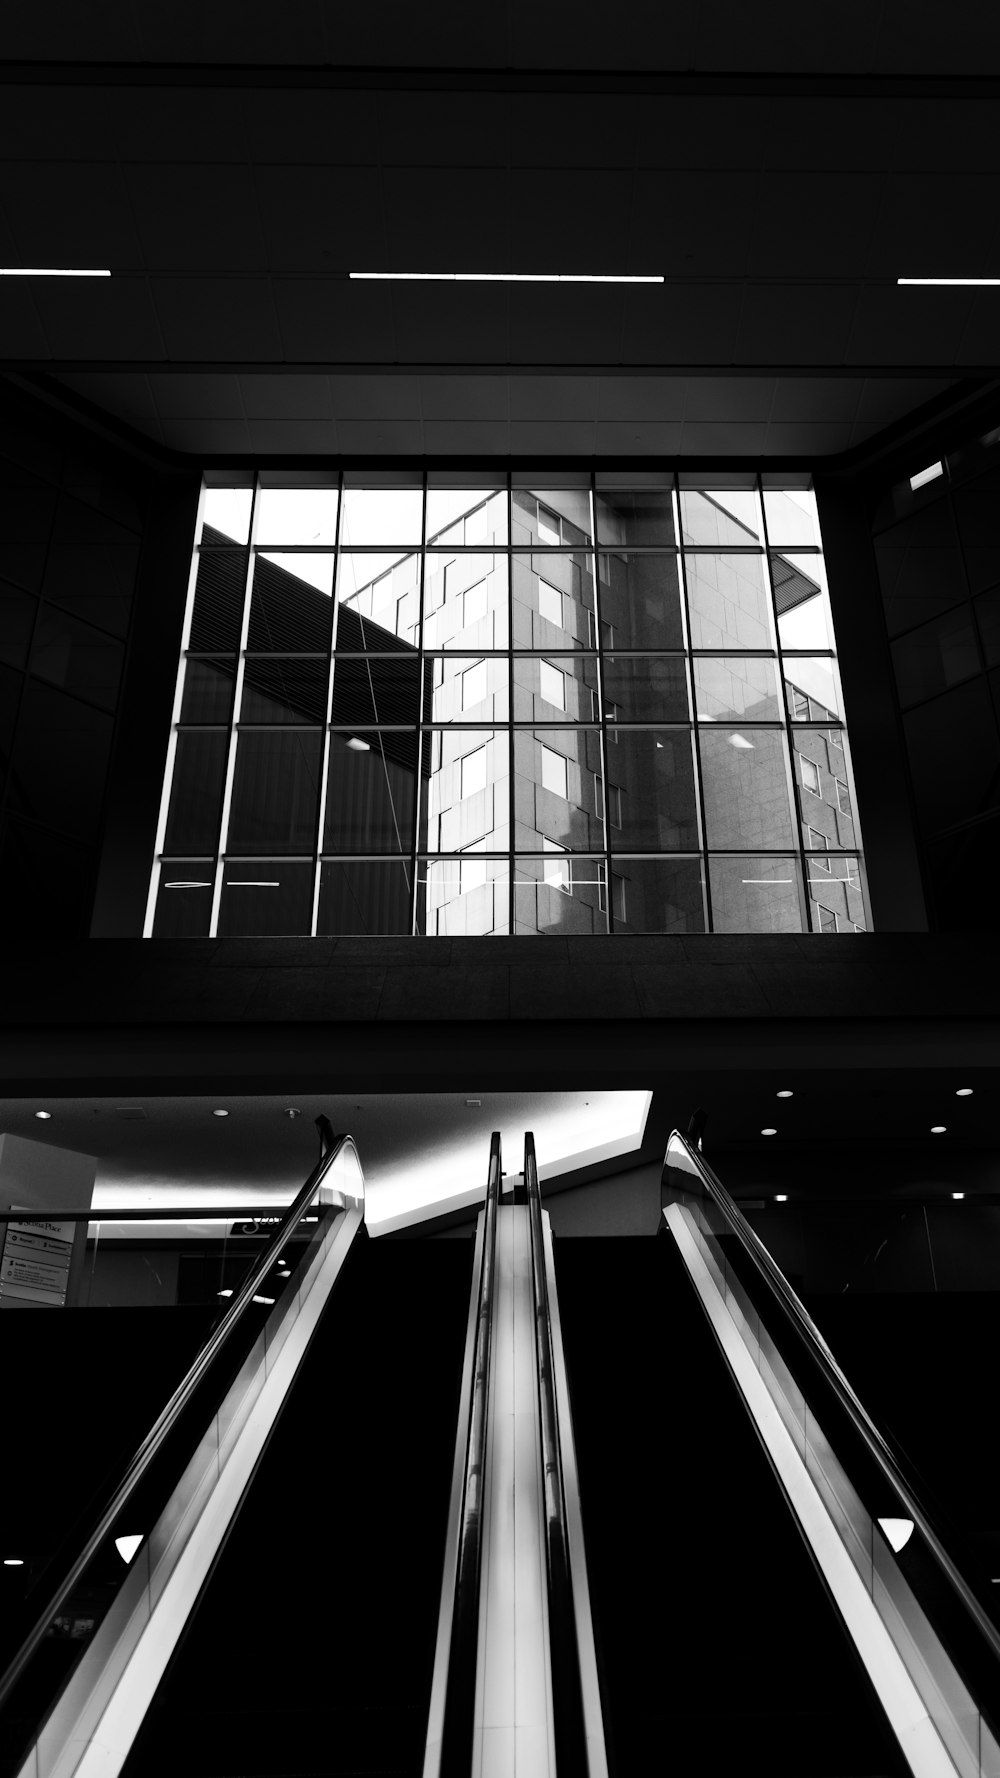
x: 303, y: 566
x: 379, y: 516
x: 225, y: 515
x: 462, y: 897
x: 275, y: 791
x: 802, y: 602
x: 651, y: 779
x: 553, y: 518
x: 217, y: 618
x: 988, y: 613
x: 729, y: 605
x: 196, y: 791
x: 467, y: 791
x: 546, y: 690
x: 646, y: 689
x: 376, y: 690
x: 791, y: 517
x: 95, y: 581
x: 641, y: 604
x: 938, y: 655
x: 659, y: 895
x: 553, y: 601
x: 719, y: 518
x: 371, y: 792
x: 184, y: 899
x: 296, y: 515
x: 836, y: 901
x: 76, y: 657
x: 465, y: 601
x: 976, y: 513
x: 461, y: 687
x: 208, y: 690
x: 466, y: 517
x: 812, y: 690
x: 741, y: 686
x: 640, y: 516
x: 557, y: 789
x: 378, y: 601
x: 288, y: 614
x: 755, y: 894
x: 560, y: 893
x: 954, y: 756
x: 17, y: 615
x: 919, y: 568
x: 370, y: 897
x: 267, y: 898
x: 824, y: 798
x: 745, y: 787
x: 277, y: 689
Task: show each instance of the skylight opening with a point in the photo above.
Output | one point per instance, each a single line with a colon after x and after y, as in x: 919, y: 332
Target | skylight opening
x: 505, y: 278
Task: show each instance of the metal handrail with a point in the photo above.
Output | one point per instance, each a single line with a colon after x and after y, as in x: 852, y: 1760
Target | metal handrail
x: 567, y: 1689
x: 460, y: 1695
x: 808, y: 1336
x: 155, y: 1439
x: 208, y: 1213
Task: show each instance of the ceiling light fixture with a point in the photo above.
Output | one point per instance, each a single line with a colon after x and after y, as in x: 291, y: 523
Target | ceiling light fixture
x: 356, y: 745
x: 504, y: 278
x: 13, y: 1562
x: 223, y: 1293
x: 44, y: 1116
x: 769, y: 1131
x: 958, y: 1196
x: 948, y: 280
x: 963, y: 1092
x: 781, y: 1197
x: 784, y: 1093
x: 938, y: 1129
x: 219, y: 1112
x: 264, y: 1299
x: 898, y: 1532
x: 51, y: 271
x: 930, y: 474
x: 127, y: 1546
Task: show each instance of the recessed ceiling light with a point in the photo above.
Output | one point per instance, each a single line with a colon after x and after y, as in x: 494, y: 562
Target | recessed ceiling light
x: 785, y: 1093
x: 472, y: 1104
x: 938, y: 1129
x: 963, y: 1092
x: 898, y: 1532
x: 948, y: 280
x: 13, y: 1562
x: 127, y: 1546
x: 264, y: 1299
x: 769, y: 1132
x: 43, y: 1115
x: 50, y: 271
x: 505, y: 278
x: 224, y: 1293
x: 930, y: 474
x: 958, y: 1196
x: 293, y: 1111
x: 220, y: 1112
x: 356, y: 745
x: 781, y: 1197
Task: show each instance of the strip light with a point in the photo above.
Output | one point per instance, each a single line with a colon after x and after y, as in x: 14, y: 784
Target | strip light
x: 50, y: 271
x: 504, y: 278
x: 948, y: 280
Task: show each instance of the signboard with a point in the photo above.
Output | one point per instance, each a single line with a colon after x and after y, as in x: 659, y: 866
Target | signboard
x: 34, y: 1265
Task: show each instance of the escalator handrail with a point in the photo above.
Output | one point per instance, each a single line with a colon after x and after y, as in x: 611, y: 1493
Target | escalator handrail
x: 808, y: 1337
x: 567, y: 1689
x: 157, y: 1436
x: 460, y: 1693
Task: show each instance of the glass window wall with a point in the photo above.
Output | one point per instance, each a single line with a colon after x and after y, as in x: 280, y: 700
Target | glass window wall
x: 436, y: 709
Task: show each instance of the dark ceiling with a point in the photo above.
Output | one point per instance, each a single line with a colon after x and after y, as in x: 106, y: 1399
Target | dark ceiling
x: 233, y: 164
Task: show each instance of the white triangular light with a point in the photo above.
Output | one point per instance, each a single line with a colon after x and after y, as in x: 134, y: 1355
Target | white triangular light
x: 898, y: 1532
x: 127, y: 1546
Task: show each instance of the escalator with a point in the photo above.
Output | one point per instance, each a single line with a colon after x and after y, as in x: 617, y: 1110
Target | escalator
x: 312, y: 1645
x: 716, y: 1638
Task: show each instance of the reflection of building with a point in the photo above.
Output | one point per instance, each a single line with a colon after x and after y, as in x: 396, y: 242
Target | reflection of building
x: 609, y: 703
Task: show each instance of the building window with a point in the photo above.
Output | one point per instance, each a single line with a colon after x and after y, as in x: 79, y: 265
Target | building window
x: 810, y: 776
x: 554, y: 772
x: 346, y: 693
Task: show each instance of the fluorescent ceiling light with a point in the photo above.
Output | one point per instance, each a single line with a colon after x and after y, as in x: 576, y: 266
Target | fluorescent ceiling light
x: 127, y: 1546
x: 504, y: 278
x: 930, y: 474
x: 948, y: 280
x: 50, y: 271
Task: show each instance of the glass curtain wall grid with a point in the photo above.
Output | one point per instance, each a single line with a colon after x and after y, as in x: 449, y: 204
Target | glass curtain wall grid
x: 569, y: 704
